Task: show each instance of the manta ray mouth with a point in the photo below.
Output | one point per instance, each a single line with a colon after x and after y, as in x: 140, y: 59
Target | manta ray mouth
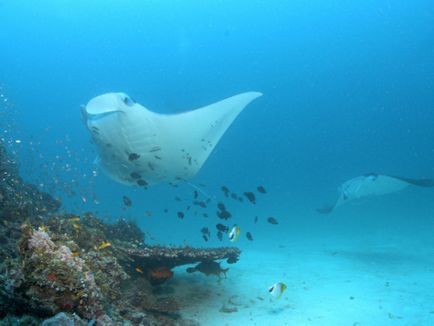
x: 96, y: 117
x: 87, y: 117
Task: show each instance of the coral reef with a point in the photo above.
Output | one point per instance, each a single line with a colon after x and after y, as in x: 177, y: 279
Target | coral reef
x: 54, y: 278
x: 77, y: 270
x: 63, y: 319
x: 18, y: 199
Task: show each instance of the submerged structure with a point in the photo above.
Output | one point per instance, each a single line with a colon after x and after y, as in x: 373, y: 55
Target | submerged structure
x: 65, y: 269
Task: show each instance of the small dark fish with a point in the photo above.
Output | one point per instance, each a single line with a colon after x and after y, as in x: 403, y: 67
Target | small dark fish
x: 205, y: 230
x: 180, y: 214
x: 166, y: 210
x: 155, y: 149
x: 250, y: 196
x: 272, y: 220
x: 221, y: 206
x: 142, y: 183
x: 224, y: 215
x: 249, y: 236
x: 234, y: 196
x: 135, y: 175
x: 195, y: 194
x: 205, y: 237
x: 151, y: 166
x: 177, y: 198
x: 188, y: 207
x: 127, y: 201
x: 157, y: 157
x: 261, y: 189
x: 220, y: 235
x: 222, y: 227
x: 200, y: 204
x: 205, y: 215
x: 225, y: 190
x: 232, y: 259
x: 256, y: 219
x: 133, y: 156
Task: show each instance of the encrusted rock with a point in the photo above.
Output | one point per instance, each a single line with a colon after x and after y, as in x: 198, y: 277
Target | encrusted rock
x: 60, y: 265
x: 64, y: 319
x: 176, y: 256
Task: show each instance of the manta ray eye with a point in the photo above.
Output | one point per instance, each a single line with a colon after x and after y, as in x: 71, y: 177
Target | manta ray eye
x: 128, y: 101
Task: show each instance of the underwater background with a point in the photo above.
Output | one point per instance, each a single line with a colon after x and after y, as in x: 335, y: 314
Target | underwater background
x: 348, y: 89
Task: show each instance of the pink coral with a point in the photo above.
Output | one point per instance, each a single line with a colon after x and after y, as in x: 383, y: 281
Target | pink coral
x: 40, y: 241
x: 65, y: 255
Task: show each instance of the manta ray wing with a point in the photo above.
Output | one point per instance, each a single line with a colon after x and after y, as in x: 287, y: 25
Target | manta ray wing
x: 417, y: 182
x: 191, y: 136
x: 380, y: 185
x: 138, y: 146
x: 372, y: 184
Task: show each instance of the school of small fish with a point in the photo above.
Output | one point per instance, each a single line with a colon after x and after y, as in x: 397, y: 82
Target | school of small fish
x: 222, y: 211
x: 193, y: 207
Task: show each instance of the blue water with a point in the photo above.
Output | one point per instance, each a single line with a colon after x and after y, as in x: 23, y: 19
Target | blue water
x: 348, y: 89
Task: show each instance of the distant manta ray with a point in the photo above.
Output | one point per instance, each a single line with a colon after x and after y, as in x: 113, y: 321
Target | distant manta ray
x: 372, y: 184
x: 140, y: 147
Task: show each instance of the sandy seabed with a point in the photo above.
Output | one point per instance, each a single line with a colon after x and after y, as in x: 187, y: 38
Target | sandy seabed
x: 340, y: 283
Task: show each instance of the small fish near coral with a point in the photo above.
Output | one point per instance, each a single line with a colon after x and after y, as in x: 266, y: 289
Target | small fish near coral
x: 225, y: 190
x: 159, y: 275
x: 220, y: 235
x: 249, y: 236
x: 133, y: 156
x: 206, y: 234
x: 276, y: 290
x: 250, y: 196
x: 127, y: 201
x: 222, y: 227
x: 272, y: 220
x: 222, y: 212
x: 234, y: 234
x: 104, y: 244
x: 261, y: 189
x: 208, y: 267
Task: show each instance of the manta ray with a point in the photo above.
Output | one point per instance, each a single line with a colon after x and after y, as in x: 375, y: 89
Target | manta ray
x: 372, y: 184
x: 139, y: 147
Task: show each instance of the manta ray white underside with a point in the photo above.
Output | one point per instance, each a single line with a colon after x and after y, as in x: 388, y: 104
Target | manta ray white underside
x: 372, y: 184
x: 140, y: 147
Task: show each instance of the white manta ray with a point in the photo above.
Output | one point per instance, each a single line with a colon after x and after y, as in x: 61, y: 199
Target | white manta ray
x: 372, y: 184
x: 140, y: 147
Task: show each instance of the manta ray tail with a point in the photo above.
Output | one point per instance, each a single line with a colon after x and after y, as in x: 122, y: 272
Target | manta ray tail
x: 325, y: 209
x: 203, y: 192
